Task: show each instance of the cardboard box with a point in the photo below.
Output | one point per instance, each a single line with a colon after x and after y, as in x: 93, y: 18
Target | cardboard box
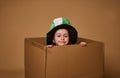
x: 70, y: 61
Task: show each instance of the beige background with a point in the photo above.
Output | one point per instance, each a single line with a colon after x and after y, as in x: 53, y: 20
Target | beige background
x: 94, y: 19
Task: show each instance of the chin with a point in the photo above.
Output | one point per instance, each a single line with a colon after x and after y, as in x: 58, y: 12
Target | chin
x: 61, y: 44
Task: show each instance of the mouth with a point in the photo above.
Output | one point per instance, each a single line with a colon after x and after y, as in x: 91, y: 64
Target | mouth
x: 62, y: 41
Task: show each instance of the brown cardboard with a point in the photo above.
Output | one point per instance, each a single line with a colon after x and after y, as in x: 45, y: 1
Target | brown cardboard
x: 70, y: 61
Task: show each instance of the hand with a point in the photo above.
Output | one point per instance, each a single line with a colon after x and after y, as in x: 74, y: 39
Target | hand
x: 49, y: 46
x: 83, y: 44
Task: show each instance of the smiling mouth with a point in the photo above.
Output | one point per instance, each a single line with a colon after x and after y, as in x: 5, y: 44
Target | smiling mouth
x: 62, y: 41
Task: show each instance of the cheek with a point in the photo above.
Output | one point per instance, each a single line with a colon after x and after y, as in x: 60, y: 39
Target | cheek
x: 56, y: 39
x: 67, y: 40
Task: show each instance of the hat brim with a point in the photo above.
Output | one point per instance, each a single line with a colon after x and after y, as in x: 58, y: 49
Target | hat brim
x: 72, y: 34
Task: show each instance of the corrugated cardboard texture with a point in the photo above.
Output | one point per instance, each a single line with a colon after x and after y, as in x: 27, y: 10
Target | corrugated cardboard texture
x: 71, y: 61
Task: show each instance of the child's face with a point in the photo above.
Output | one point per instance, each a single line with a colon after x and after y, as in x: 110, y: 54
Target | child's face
x: 61, y: 37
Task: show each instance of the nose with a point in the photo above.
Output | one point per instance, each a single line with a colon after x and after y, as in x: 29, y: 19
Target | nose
x: 62, y: 38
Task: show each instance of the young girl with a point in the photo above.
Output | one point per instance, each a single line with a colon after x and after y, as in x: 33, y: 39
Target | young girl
x: 62, y: 33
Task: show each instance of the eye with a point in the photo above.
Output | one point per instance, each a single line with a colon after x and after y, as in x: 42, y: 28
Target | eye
x: 58, y: 36
x: 66, y: 36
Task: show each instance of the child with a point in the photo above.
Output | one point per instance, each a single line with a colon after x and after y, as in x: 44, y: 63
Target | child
x: 62, y: 33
